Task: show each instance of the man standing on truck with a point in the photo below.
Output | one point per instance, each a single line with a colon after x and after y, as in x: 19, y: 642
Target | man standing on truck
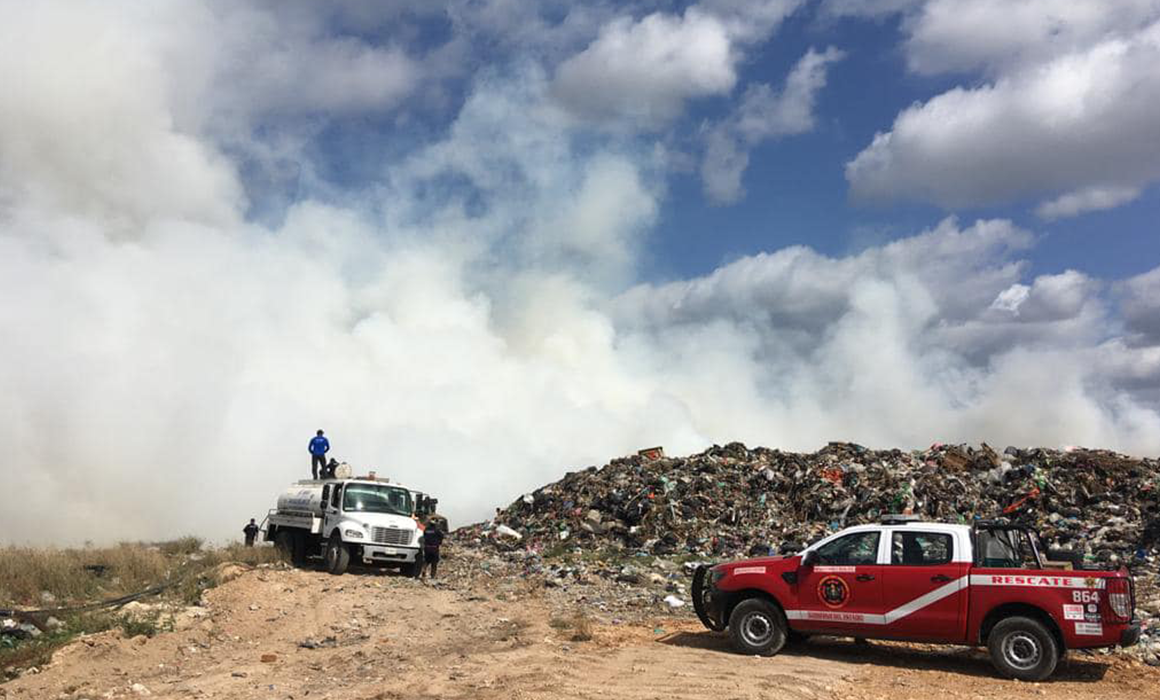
x: 319, y: 446
x: 432, y: 541
x: 251, y: 532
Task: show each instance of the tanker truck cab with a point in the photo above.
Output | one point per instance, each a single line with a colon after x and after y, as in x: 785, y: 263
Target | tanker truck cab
x: 365, y: 521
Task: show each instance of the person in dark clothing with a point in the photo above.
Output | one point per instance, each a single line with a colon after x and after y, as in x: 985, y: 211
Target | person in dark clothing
x: 251, y: 531
x: 328, y: 470
x: 319, y: 446
x: 432, y: 541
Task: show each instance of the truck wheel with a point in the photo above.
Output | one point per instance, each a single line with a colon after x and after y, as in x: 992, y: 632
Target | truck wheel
x: 337, y: 555
x: 757, y: 627
x: 298, y: 551
x: 284, y: 541
x: 1023, y: 649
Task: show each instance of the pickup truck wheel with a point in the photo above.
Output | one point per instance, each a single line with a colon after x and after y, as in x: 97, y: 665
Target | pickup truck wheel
x: 757, y: 626
x: 1022, y: 648
x: 337, y: 555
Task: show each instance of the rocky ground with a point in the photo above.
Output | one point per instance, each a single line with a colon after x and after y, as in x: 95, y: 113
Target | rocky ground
x: 486, y: 631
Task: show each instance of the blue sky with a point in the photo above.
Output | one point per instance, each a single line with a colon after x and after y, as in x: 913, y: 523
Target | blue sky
x: 797, y: 192
x: 482, y: 242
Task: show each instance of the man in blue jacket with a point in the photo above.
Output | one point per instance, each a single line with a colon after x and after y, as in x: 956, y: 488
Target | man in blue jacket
x: 319, y: 446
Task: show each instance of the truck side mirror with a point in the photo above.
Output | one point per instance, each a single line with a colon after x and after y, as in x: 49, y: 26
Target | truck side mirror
x: 809, y: 558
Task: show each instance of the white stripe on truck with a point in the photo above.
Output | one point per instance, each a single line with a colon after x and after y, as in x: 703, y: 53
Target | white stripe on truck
x: 893, y: 616
x: 941, y: 592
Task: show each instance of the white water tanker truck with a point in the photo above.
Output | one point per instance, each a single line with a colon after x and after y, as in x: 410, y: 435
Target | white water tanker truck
x: 361, y: 520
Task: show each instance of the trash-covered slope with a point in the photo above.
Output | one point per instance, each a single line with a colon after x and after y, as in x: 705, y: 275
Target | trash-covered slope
x: 732, y: 501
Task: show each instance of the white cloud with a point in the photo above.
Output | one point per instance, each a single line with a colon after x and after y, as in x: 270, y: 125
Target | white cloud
x: 953, y: 36
x: 797, y: 293
x: 863, y: 342
x: 725, y: 161
x: 1140, y: 306
x: 263, y: 62
x: 645, y: 70
x: 540, y: 197
x: 763, y: 114
x: 88, y: 130
x: 1086, y: 200
x: 751, y: 20
x: 133, y: 106
x: 963, y: 35
x: 1080, y: 121
x: 1059, y: 297
x: 640, y: 73
x: 1011, y: 298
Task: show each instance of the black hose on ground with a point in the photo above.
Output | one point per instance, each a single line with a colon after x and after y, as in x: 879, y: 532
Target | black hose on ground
x: 111, y: 603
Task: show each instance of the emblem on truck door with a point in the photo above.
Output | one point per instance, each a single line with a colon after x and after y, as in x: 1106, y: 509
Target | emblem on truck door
x: 833, y: 592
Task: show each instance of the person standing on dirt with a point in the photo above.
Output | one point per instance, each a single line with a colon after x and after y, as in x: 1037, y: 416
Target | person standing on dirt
x: 432, y: 541
x: 319, y: 446
x: 251, y: 531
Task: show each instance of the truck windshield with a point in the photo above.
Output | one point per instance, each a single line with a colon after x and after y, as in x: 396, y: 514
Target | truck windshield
x: 374, y: 498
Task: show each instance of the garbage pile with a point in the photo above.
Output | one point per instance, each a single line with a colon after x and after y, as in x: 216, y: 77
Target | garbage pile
x: 732, y: 501
x: 12, y: 631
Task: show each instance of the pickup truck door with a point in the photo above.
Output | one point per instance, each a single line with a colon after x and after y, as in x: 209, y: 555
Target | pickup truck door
x: 841, y: 591
x: 924, y: 587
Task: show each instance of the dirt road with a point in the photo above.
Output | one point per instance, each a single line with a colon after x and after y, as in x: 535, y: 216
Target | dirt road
x: 304, y: 635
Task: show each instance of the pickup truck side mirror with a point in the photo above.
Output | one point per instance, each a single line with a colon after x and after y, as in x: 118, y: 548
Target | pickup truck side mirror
x: 809, y: 558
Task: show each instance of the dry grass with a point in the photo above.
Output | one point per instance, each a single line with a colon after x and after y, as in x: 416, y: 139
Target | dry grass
x: 73, y: 577
x: 575, y: 628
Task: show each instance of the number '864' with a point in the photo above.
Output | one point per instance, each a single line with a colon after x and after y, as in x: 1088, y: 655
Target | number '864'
x: 1085, y: 596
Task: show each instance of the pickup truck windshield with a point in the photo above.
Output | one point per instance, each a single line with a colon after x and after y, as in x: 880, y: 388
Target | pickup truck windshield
x: 373, y: 498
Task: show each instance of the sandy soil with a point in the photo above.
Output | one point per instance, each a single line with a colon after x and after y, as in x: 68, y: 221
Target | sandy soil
x: 384, y: 637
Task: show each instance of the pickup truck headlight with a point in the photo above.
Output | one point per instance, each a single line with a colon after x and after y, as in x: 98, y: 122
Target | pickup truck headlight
x: 354, y: 534
x: 716, y: 575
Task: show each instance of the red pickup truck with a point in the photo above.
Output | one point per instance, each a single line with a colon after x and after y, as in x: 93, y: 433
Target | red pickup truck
x: 986, y: 584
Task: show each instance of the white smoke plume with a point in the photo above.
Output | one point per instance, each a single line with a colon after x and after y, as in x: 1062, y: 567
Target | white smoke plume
x: 464, y: 312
